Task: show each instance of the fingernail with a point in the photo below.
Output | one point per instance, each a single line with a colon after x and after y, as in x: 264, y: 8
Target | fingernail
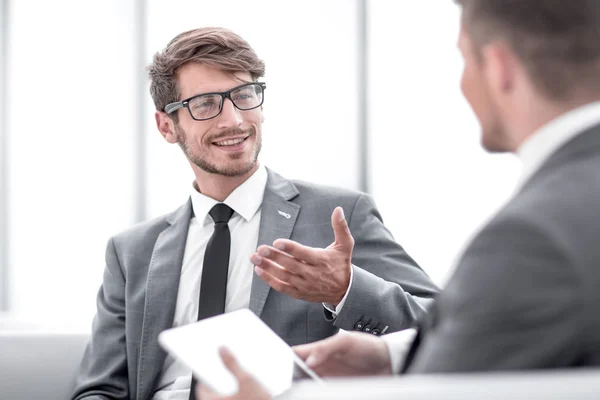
x: 263, y: 251
x: 256, y: 259
x: 259, y: 271
x: 342, y: 216
x: 311, y: 361
x: 279, y: 245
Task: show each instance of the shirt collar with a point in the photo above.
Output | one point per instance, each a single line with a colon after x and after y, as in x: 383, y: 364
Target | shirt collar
x: 550, y: 137
x: 244, y: 200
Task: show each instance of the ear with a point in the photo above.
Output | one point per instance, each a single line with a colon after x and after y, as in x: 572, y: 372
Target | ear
x: 262, y: 115
x: 165, y: 126
x: 499, y: 66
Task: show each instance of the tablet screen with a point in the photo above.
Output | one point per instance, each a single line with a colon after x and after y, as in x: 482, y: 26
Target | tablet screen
x: 258, y: 349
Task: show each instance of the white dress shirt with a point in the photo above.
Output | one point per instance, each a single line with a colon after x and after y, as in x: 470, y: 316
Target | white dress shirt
x: 533, y: 152
x: 245, y: 200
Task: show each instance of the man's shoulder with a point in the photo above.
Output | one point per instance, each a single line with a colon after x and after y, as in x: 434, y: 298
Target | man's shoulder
x: 146, y: 230
x: 558, y: 206
x: 308, y: 190
x: 561, y: 193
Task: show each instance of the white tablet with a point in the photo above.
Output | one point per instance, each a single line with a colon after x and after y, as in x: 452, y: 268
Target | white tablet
x: 257, y: 348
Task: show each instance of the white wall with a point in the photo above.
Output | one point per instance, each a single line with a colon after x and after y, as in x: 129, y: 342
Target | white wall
x: 72, y: 120
x: 3, y: 167
x: 71, y: 94
x: 429, y: 175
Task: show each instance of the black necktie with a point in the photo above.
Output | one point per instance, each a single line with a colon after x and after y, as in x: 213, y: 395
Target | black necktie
x: 216, y: 264
x: 213, y: 286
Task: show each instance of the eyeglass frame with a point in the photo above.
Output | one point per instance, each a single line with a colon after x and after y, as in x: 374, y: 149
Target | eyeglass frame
x: 172, y: 107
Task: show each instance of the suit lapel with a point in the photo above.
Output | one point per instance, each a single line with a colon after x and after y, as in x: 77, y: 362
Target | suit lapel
x: 278, y: 216
x: 162, y: 286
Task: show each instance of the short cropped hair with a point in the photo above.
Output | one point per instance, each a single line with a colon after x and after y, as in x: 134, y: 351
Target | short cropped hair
x: 558, y: 41
x: 216, y: 47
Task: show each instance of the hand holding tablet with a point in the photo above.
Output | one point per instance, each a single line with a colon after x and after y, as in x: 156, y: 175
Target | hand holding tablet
x: 255, y: 346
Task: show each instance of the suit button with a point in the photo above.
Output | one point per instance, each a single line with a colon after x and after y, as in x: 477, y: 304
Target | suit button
x: 375, y: 331
x: 367, y: 328
x: 359, y: 326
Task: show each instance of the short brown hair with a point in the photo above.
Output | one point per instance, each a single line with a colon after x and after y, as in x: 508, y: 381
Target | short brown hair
x: 558, y: 41
x: 217, y: 47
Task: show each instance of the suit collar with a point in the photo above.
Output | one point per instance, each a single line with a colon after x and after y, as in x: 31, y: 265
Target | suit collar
x: 541, y: 145
x: 181, y: 214
x: 279, y: 186
x: 586, y: 141
x: 278, y: 216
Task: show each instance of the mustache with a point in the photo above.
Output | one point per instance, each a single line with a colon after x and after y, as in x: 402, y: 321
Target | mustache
x: 232, y: 132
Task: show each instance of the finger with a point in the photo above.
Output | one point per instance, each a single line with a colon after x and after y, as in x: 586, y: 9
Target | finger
x: 284, y: 260
x: 275, y: 283
x: 282, y: 272
x: 309, y: 255
x: 316, y: 353
x: 341, y: 230
x: 232, y: 364
x: 204, y: 393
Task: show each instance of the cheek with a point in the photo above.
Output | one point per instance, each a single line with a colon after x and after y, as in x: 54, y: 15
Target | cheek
x: 466, y: 84
x: 194, y: 134
x: 253, y: 117
x: 473, y: 91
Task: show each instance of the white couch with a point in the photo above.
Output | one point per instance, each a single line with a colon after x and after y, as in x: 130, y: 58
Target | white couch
x: 38, y: 365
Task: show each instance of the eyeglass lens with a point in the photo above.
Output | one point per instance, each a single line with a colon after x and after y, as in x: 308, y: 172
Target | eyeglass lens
x: 245, y: 97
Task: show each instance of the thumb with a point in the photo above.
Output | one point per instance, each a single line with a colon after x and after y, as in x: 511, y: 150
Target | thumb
x: 317, y: 353
x: 231, y: 363
x: 341, y: 231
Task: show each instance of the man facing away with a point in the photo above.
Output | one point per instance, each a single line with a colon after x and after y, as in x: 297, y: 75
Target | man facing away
x: 202, y: 259
x: 524, y: 294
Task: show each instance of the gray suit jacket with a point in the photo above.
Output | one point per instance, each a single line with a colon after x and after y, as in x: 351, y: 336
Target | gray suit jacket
x: 139, y: 292
x: 525, y: 294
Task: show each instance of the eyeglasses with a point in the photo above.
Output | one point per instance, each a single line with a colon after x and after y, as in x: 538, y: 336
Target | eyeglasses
x: 208, y: 105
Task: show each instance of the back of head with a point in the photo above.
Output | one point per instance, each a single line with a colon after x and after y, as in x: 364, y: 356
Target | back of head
x: 216, y: 47
x: 557, y: 41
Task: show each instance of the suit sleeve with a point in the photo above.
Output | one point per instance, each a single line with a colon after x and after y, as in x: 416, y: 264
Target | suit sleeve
x: 103, y: 371
x: 512, y: 303
x: 388, y: 288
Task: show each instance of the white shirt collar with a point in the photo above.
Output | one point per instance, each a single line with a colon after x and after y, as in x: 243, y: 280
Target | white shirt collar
x: 244, y: 200
x: 534, y: 151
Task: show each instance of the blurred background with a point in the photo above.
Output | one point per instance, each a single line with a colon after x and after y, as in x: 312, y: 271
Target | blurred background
x: 360, y: 94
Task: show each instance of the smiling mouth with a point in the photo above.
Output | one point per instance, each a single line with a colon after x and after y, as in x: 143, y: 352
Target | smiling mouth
x: 230, y: 142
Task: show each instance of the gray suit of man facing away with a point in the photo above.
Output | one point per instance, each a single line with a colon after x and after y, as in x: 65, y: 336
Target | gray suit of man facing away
x: 524, y: 294
x: 292, y: 259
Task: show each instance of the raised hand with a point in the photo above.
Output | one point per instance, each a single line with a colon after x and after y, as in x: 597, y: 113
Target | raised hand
x: 307, y: 273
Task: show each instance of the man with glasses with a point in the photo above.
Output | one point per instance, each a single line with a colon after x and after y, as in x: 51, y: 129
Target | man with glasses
x: 246, y: 238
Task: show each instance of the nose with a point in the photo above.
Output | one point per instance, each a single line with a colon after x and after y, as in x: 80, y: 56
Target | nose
x: 230, y: 116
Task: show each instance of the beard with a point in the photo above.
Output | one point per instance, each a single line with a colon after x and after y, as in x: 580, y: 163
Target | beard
x: 494, y: 136
x: 201, y: 157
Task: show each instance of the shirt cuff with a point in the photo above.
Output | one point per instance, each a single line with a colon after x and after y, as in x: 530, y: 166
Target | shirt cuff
x: 398, y: 346
x: 336, y: 310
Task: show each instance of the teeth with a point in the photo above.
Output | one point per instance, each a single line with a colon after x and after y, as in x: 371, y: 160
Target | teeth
x: 229, y: 142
